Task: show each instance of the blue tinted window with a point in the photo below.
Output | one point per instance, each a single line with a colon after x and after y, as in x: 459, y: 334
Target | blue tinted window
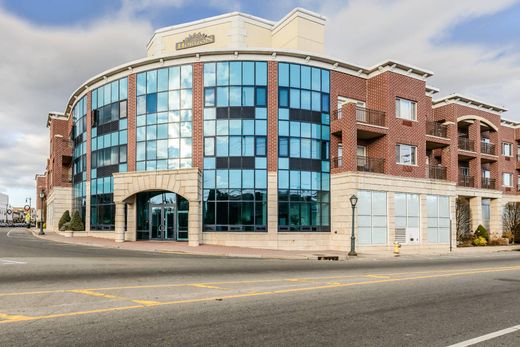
x: 295, y: 98
x: 305, y: 100
x: 235, y: 96
x: 235, y: 73
x: 222, y: 96
x: 162, y: 80
x: 249, y: 73
x: 325, y: 82
x: 151, y: 103
x: 295, y: 76
x: 316, y: 80
x: 209, y: 74
x: 209, y: 97
x: 306, y: 77
x: 283, y: 97
x: 261, y: 146
x: 283, y: 75
x: 325, y: 103
x: 151, y: 81
x: 316, y: 101
x: 261, y: 96
x: 235, y: 146
x: 223, y: 74
x: 141, y: 84
x: 261, y: 73
x: 248, y: 96
x: 283, y: 146
x: 248, y: 146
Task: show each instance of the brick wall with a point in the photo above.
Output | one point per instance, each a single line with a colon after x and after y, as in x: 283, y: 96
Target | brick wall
x: 272, y: 116
x: 132, y: 121
x: 198, y: 118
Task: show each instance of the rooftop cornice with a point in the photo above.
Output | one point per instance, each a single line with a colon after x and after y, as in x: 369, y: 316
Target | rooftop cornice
x: 469, y: 102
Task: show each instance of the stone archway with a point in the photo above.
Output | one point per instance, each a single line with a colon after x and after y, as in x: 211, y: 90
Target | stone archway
x: 185, y: 182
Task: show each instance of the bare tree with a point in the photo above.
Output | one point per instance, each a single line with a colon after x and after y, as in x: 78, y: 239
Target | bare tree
x: 511, y: 219
x: 463, y: 218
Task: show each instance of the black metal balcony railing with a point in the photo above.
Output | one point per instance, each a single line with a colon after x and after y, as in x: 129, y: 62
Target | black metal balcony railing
x: 487, y: 148
x: 488, y: 183
x: 437, y: 172
x: 372, y: 117
x: 336, y: 114
x: 437, y: 129
x: 466, y: 181
x: 466, y: 144
x: 337, y: 162
x: 368, y: 164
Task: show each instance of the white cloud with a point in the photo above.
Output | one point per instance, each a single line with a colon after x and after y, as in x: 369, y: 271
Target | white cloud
x: 39, y: 68
x: 366, y: 32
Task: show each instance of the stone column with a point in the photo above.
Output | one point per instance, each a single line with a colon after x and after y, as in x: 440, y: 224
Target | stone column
x: 272, y: 207
x: 131, y: 220
x: 194, y: 223
x: 120, y: 222
x: 496, y: 223
x: 475, y: 205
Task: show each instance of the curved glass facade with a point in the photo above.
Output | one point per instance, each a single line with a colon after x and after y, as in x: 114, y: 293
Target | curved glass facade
x: 79, y: 158
x: 303, y: 148
x: 235, y: 146
x: 109, y: 152
x: 164, y: 118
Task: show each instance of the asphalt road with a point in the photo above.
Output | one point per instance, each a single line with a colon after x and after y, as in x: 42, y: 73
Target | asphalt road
x: 63, y: 295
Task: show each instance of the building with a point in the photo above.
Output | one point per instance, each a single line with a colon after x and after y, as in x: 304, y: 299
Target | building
x: 236, y: 130
x: 4, y: 208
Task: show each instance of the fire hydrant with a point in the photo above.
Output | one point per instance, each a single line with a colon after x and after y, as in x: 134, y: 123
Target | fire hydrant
x: 397, y: 248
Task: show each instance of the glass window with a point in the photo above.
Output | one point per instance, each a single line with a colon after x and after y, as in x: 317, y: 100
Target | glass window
x: 295, y: 75
x: 261, y: 73
x: 235, y: 73
x: 248, y: 96
x: 261, y: 146
x: 209, y: 97
x: 186, y: 76
x: 507, y: 179
x: 406, y: 154
x: 222, y: 96
x: 209, y: 74
x: 406, y: 109
x: 294, y: 98
x: 283, y: 97
x: 222, y: 74
x: 249, y: 73
x: 174, y: 78
x: 162, y: 80
x: 235, y: 96
x: 507, y: 149
x: 283, y: 74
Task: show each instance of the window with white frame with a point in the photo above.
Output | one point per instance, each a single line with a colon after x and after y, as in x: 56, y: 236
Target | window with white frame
x: 438, y: 208
x: 406, y: 210
x: 372, y: 217
x: 406, y: 154
x: 507, y: 179
x: 507, y: 149
x: 405, y: 109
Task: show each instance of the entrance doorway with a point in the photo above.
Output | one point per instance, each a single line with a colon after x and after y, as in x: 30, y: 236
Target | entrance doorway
x: 168, y: 224
x: 162, y: 216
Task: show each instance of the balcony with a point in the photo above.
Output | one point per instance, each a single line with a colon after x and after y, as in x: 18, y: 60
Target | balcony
x: 337, y: 162
x: 367, y: 164
x: 437, y: 172
x: 487, y: 148
x: 466, y: 181
x: 336, y: 114
x: 437, y: 129
x: 466, y: 144
x: 66, y: 178
x: 372, y: 117
x: 488, y: 183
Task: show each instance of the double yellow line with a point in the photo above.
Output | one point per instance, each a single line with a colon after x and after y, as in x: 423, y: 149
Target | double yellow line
x: 380, y: 278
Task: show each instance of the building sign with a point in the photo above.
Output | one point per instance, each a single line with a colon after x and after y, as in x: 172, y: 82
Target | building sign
x: 194, y: 40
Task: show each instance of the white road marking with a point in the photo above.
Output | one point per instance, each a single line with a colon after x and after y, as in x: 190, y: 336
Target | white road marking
x: 487, y: 337
x: 11, y: 262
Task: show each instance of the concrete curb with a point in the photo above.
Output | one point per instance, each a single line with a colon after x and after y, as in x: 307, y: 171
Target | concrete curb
x: 311, y: 256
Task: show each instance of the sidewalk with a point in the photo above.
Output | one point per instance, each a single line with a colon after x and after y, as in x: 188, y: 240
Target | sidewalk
x: 243, y: 252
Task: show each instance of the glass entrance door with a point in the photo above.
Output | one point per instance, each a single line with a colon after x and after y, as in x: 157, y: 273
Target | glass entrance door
x: 168, y: 224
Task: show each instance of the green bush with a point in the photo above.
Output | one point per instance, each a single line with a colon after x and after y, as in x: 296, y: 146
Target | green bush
x: 482, y: 232
x: 76, y: 224
x: 65, y: 226
x: 480, y: 241
x: 65, y: 218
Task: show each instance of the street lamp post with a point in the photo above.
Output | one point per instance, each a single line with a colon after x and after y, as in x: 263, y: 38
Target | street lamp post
x: 42, y: 195
x: 353, y: 202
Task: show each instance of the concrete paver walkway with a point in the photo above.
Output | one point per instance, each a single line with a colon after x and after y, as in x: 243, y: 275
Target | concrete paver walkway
x: 229, y: 251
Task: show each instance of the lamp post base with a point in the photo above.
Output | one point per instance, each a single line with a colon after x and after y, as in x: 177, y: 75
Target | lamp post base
x: 352, y: 254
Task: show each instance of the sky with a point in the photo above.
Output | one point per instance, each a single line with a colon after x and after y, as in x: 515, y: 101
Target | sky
x: 49, y: 48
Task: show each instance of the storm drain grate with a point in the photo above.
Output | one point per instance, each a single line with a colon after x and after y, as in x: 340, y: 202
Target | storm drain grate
x: 328, y: 257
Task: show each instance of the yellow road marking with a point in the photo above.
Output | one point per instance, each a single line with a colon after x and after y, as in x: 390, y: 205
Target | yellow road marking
x: 309, y: 279
x: 11, y: 317
x: 92, y: 293
x: 203, y: 285
x: 253, y: 294
x: 378, y: 276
